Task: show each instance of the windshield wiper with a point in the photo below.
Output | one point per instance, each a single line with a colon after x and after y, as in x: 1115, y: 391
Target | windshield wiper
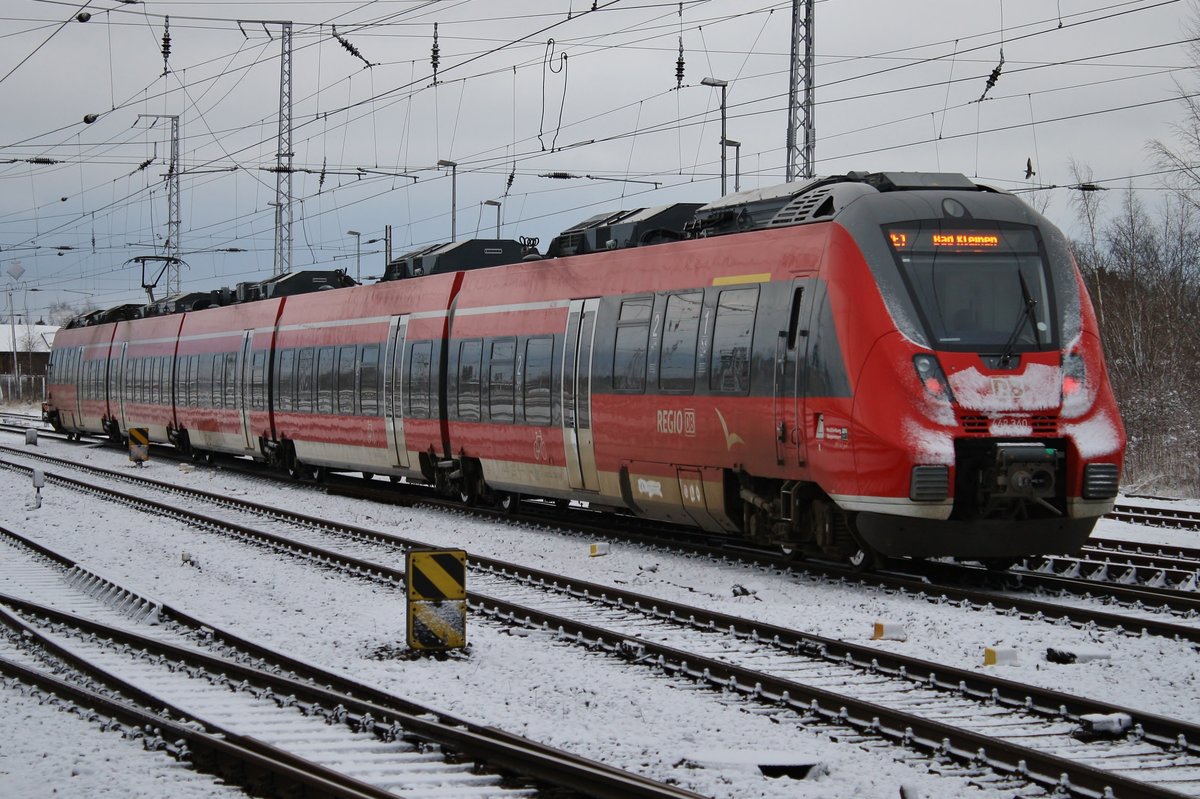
x: 1026, y: 314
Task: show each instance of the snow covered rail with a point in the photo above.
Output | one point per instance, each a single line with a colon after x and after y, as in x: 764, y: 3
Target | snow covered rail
x: 880, y: 697
x: 1178, y: 518
x: 308, y: 729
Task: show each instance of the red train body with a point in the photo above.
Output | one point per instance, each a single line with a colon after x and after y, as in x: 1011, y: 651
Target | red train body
x: 896, y: 364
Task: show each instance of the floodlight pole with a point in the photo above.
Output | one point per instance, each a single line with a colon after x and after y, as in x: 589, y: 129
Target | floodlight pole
x: 723, y: 86
x: 357, y: 254
x: 453, y: 197
x: 497, y: 204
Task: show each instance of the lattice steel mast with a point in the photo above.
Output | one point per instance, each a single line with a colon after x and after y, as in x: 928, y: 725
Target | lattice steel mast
x: 283, y: 157
x: 801, y: 93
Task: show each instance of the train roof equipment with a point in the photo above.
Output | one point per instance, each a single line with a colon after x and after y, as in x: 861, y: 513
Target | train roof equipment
x: 458, y: 256
x: 617, y: 230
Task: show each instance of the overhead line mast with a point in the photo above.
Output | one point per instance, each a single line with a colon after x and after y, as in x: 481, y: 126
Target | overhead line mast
x: 801, y: 93
x: 172, y: 248
x: 283, y: 157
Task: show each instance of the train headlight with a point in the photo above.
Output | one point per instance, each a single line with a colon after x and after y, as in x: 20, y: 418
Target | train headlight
x: 929, y: 372
x: 1075, y: 399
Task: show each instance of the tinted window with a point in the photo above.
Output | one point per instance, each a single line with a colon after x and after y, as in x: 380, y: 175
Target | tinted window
x: 305, y: 379
x: 368, y: 376
x: 539, y: 363
x: 285, y: 385
x: 345, y: 380
x: 629, y: 358
x: 231, y: 366
x: 500, y: 381
x: 469, y: 354
x: 325, y: 379
x: 418, y: 379
x: 732, y: 339
x: 677, y: 364
x: 258, y: 382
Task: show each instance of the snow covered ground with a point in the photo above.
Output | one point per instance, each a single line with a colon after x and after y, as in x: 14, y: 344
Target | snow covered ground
x: 528, y: 684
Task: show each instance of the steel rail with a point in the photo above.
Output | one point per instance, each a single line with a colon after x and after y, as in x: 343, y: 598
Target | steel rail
x: 486, y: 743
x: 962, y: 745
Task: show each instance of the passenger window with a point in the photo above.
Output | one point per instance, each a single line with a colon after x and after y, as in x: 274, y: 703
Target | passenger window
x: 345, y: 380
x: 325, y: 379
x: 285, y: 386
x: 368, y: 377
x: 469, y: 355
x: 258, y: 381
x: 629, y: 350
x: 732, y: 339
x: 419, y: 362
x: 500, y: 381
x: 305, y: 379
x: 539, y: 364
x: 677, y: 364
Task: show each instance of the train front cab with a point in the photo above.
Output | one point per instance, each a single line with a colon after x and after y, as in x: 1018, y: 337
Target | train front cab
x: 983, y: 423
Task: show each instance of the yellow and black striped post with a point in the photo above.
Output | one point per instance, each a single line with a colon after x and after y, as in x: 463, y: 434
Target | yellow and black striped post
x: 139, y: 445
x: 437, y: 599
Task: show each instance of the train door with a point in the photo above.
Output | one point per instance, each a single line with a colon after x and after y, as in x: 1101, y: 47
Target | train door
x: 577, y: 395
x: 393, y: 387
x: 245, y: 373
x: 77, y: 380
x: 791, y: 358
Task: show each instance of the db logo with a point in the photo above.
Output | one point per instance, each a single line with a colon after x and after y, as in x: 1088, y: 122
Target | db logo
x: 676, y: 422
x: 1006, y: 388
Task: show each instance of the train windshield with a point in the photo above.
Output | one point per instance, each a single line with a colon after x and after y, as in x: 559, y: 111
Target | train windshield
x: 984, y: 289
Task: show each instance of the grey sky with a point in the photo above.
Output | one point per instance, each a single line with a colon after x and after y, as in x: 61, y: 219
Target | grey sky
x: 899, y: 85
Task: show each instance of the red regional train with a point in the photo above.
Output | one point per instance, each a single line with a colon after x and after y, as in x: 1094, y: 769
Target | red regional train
x: 883, y: 364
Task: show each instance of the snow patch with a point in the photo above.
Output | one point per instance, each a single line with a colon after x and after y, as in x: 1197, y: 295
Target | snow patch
x: 931, y: 446
x: 1010, y: 428
x: 1038, y: 389
x: 1094, y: 437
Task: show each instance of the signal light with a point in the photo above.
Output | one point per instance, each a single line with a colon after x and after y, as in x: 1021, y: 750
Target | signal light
x: 929, y: 372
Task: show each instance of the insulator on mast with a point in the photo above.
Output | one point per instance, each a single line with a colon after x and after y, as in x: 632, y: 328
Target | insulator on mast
x: 166, y: 44
x: 679, y: 66
x: 434, y: 55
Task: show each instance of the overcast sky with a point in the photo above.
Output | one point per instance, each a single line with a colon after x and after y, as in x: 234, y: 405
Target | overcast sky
x: 899, y: 87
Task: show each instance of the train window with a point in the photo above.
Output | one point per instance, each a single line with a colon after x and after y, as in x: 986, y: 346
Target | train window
x: 539, y: 361
x: 636, y: 310
x: 469, y: 355
x: 285, y: 386
x: 193, y: 379
x: 629, y: 356
x: 677, y: 364
x: 368, y: 381
x: 153, y: 377
x: 326, y: 376
x: 258, y: 381
x: 217, y: 386
x: 345, y: 380
x: 231, y: 370
x: 732, y: 338
x: 419, y: 361
x: 500, y: 381
x: 304, y: 379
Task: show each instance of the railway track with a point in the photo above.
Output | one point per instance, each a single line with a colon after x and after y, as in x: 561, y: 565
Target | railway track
x: 1177, y: 518
x: 206, y: 696
x: 1002, y: 731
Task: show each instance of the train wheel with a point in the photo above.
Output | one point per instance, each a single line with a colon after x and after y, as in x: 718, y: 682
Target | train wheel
x: 508, y: 501
x: 865, y: 559
x: 368, y: 476
x: 468, y: 492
